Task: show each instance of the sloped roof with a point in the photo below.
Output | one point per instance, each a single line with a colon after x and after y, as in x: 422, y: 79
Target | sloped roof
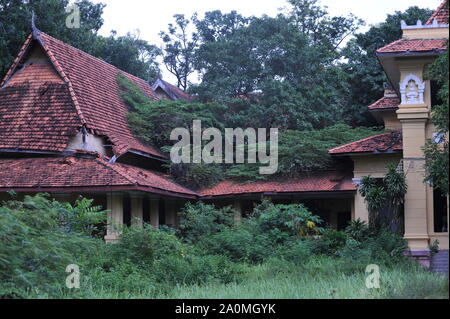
x: 94, y: 90
x: 411, y: 46
x: 37, y: 117
x: 324, y: 181
x: 383, y: 143
x: 174, y: 92
x: 385, y: 103
x: 441, y: 14
x: 66, y: 173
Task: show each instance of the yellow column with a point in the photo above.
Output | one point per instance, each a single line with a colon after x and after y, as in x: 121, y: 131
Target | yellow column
x: 115, y: 216
x: 414, y: 138
x: 136, y: 210
x: 154, y: 212
x: 359, y: 208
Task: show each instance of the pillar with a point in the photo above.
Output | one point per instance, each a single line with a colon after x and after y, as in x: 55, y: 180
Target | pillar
x: 237, y: 205
x: 359, y: 208
x: 154, y: 212
x: 115, y: 216
x: 416, y: 228
x: 136, y: 210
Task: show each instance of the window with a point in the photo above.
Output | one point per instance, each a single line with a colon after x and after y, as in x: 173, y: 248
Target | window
x: 440, y: 212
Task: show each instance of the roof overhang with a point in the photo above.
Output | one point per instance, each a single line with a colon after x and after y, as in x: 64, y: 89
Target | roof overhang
x: 389, y: 60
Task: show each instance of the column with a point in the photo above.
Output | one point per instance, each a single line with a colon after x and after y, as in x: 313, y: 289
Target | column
x: 115, y: 216
x: 414, y: 138
x: 154, y: 212
x: 237, y: 205
x: 359, y: 208
x: 136, y: 210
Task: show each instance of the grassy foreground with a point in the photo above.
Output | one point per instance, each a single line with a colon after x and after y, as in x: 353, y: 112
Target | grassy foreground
x: 319, y: 278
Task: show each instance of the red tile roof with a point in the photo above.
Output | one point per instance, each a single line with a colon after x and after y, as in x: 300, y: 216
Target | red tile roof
x: 385, y: 103
x: 325, y: 181
x: 93, y: 87
x: 441, y: 14
x: 386, y: 142
x: 65, y: 173
x: 38, y: 117
x: 174, y: 92
x: 404, y: 45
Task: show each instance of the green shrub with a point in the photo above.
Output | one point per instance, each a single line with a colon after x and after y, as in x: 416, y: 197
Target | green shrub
x: 282, y: 221
x: 199, y: 219
x: 358, y: 230
x: 295, y: 250
x: 38, y: 242
x: 330, y: 242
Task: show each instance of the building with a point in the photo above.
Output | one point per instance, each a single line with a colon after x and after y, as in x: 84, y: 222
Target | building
x: 166, y: 91
x: 63, y: 130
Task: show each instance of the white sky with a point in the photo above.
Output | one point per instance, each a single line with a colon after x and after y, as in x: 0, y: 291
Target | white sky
x: 151, y: 16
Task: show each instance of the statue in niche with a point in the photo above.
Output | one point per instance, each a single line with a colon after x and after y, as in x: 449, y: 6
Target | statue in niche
x: 412, y: 96
x: 412, y: 90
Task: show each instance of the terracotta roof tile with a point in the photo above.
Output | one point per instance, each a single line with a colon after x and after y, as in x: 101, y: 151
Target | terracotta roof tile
x: 95, y: 93
x: 37, y: 116
x: 386, y: 142
x: 405, y: 45
x: 72, y: 172
x: 325, y: 181
x: 385, y: 103
x: 441, y: 14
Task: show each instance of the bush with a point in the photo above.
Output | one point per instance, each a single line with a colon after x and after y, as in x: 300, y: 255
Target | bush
x: 38, y: 243
x: 358, y: 230
x: 199, y: 219
x: 296, y: 251
x: 330, y: 242
x: 282, y: 221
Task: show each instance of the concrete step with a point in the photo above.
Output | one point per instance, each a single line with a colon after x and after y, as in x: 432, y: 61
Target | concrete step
x: 439, y: 262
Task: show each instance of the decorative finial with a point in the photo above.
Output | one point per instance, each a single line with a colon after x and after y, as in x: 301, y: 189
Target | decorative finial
x: 36, y: 31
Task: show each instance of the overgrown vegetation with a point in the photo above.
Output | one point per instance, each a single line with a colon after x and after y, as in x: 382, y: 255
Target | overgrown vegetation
x: 299, y: 151
x: 277, y: 247
x: 384, y: 198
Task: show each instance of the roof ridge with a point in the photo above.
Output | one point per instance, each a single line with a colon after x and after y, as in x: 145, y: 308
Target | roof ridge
x: 62, y: 74
x: 16, y: 60
x: 114, y: 168
x: 94, y: 57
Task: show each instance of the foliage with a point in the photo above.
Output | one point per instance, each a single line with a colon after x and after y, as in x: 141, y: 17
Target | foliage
x: 358, y: 230
x: 179, y: 49
x: 128, y: 53
x: 330, y: 242
x: 385, y: 199
x: 199, y: 219
x: 39, y: 240
x: 364, y: 75
x: 437, y: 153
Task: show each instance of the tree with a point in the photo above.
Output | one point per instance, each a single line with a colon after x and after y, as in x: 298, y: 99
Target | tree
x: 130, y: 54
x: 365, y: 75
x: 15, y: 25
x: 179, y: 48
x: 436, y: 151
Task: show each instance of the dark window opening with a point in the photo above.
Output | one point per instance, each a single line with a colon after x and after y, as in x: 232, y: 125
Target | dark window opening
x: 146, y: 211
x: 343, y: 220
x: 162, y: 212
x: 435, y: 88
x: 127, y: 211
x: 440, y: 212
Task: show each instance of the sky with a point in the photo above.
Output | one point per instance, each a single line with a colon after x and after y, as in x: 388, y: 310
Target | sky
x: 150, y: 17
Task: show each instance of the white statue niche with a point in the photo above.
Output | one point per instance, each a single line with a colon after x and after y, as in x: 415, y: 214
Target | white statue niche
x: 412, y: 89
